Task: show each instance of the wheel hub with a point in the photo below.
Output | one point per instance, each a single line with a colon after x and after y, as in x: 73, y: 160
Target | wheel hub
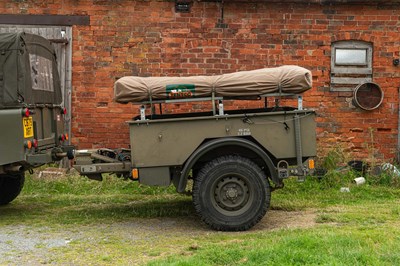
x: 231, y: 193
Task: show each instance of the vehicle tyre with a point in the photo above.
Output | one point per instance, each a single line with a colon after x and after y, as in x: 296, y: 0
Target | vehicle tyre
x: 10, y: 187
x: 231, y: 193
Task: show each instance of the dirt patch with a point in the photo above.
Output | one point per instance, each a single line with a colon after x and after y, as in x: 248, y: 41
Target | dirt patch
x: 275, y: 220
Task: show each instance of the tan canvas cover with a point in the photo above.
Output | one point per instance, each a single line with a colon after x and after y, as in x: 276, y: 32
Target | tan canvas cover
x: 285, y: 79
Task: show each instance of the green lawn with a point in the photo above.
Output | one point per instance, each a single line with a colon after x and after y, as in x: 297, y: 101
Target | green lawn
x: 117, y: 222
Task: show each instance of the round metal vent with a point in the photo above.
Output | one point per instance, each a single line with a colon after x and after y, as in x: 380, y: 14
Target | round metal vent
x: 368, y: 96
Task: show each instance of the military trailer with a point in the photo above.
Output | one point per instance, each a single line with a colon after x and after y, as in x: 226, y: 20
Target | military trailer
x: 31, y: 110
x: 234, y: 157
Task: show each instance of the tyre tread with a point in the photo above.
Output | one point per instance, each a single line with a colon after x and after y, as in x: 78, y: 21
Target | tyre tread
x: 10, y: 187
x: 203, y: 175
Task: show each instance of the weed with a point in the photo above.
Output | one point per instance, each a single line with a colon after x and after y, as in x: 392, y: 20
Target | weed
x: 339, y: 171
x: 389, y: 177
x: 333, y: 159
x: 338, y: 178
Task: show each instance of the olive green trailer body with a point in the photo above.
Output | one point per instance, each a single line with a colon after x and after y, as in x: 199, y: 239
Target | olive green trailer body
x: 235, y: 158
x: 165, y: 144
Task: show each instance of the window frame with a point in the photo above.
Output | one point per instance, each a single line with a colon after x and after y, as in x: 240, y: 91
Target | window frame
x: 345, y: 76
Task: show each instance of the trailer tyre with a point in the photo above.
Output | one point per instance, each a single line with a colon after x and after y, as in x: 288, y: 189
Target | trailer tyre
x: 231, y: 193
x: 10, y: 187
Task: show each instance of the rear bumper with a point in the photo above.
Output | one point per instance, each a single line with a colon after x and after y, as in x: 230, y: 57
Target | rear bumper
x: 51, y: 155
x: 36, y: 159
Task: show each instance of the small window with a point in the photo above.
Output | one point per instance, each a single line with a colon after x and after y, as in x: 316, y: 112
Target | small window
x: 351, y: 64
x: 351, y: 57
x: 41, y: 73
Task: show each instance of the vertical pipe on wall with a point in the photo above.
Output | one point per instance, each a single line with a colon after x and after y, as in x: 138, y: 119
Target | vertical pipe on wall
x: 398, y: 126
x: 68, y: 81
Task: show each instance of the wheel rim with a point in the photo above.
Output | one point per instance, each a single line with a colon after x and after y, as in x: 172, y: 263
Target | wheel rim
x: 231, y: 194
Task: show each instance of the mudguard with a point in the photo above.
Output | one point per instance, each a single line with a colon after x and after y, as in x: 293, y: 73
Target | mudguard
x: 220, y: 142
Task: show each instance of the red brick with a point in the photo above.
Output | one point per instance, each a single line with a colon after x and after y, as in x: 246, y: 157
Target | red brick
x: 147, y: 38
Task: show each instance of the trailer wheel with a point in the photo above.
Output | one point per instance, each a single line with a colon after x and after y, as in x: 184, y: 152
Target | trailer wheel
x: 10, y: 187
x: 231, y: 193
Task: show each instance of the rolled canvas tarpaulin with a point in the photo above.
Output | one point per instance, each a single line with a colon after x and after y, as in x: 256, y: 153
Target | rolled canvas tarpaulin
x: 284, y: 79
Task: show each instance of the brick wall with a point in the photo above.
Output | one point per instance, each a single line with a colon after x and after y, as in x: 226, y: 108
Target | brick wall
x: 147, y: 38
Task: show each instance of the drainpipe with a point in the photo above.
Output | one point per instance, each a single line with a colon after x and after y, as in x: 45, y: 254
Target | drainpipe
x: 398, y: 127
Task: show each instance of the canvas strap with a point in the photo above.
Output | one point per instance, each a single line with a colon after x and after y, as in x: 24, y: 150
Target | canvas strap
x: 2, y: 61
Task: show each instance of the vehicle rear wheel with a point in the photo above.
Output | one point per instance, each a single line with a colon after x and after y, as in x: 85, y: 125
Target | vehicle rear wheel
x: 231, y: 193
x: 10, y: 187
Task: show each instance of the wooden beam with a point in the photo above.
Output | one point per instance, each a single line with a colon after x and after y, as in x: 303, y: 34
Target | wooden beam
x: 335, y: 80
x: 351, y: 70
x: 53, y: 20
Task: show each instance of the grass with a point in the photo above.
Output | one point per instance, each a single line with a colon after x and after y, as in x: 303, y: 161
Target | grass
x: 323, y: 246
x: 78, y: 200
x: 123, y: 223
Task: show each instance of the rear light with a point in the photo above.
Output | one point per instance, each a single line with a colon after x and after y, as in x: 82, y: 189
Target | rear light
x: 35, y: 143
x: 26, y: 112
x: 28, y: 144
x: 63, y: 137
x: 311, y: 164
x: 135, y: 174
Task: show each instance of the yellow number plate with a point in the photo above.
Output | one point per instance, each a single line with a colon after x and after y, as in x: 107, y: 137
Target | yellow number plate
x: 28, y: 127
